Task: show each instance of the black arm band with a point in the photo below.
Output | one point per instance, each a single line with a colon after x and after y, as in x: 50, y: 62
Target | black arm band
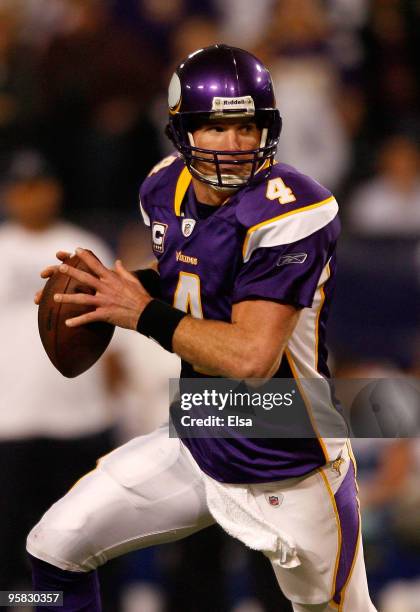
x: 159, y: 321
x: 150, y: 279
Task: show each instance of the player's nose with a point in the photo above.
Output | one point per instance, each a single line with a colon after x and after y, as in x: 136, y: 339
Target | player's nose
x: 232, y: 140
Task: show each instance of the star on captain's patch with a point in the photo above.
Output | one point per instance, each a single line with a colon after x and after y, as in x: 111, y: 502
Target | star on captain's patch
x: 337, y: 464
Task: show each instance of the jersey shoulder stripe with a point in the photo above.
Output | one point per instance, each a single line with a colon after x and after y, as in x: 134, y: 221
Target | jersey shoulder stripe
x: 290, y: 226
x: 285, y: 208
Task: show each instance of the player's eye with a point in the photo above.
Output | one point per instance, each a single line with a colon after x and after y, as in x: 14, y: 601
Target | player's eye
x: 248, y: 128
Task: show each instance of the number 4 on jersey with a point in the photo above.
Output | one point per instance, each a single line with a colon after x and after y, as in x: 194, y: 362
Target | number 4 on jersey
x: 277, y: 190
x: 164, y: 163
x: 188, y: 295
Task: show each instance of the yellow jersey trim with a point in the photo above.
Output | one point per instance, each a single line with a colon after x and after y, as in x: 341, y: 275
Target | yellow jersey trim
x: 318, y: 315
x: 339, y: 536
x: 307, y: 404
x: 265, y: 165
x: 353, y: 460
x: 182, y: 185
x: 252, y: 229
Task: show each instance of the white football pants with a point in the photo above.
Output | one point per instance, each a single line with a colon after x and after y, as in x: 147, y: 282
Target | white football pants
x: 151, y: 491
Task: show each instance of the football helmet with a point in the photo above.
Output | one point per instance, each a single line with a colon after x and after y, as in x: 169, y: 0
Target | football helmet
x: 218, y: 83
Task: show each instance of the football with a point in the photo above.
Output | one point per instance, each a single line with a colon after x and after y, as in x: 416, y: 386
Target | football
x: 72, y: 350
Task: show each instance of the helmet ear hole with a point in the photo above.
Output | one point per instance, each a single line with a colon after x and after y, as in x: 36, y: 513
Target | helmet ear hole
x: 169, y: 133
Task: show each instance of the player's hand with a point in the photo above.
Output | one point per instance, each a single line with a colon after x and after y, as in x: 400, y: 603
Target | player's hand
x: 49, y: 271
x: 119, y: 296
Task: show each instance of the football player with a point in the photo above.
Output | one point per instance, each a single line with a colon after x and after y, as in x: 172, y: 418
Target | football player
x: 246, y: 263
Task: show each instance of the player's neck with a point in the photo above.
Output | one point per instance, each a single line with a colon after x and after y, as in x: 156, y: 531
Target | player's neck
x: 208, y: 195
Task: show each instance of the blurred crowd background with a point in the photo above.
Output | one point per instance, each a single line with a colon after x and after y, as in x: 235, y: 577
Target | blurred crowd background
x: 82, y: 115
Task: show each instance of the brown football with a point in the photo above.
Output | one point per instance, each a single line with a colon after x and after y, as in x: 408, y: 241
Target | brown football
x: 72, y: 350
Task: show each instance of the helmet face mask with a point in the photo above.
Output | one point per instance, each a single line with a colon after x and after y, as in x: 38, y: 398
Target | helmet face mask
x: 199, y: 94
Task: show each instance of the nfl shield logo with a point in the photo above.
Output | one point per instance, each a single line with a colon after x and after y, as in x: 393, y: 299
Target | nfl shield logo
x: 274, y: 500
x: 187, y: 227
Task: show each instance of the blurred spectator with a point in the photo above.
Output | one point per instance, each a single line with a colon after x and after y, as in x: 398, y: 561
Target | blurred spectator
x: 313, y: 138
x: 389, y: 203
x: 297, y: 29
x: 195, y: 33
x: 401, y: 596
x: 39, y: 19
x: 93, y: 58
x: 347, y: 19
x: 392, y: 64
x: 156, y: 20
x: 52, y: 430
x: 19, y: 85
x: 117, y: 150
x: 99, y: 80
x: 352, y: 107
x: 388, y: 477
x: 244, y: 22
x: 389, y: 472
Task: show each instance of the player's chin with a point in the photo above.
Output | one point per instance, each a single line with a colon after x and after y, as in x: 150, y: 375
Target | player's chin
x: 235, y: 170
x: 239, y: 171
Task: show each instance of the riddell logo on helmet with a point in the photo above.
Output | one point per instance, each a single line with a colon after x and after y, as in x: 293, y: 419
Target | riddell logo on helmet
x: 245, y: 103
x: 237, y: 101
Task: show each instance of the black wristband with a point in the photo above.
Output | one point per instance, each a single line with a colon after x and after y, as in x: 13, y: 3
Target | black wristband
x: 159, y: 321
x: 150, y: 279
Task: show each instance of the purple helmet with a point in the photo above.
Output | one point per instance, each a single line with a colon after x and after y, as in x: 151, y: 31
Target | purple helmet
x: 216, y: 83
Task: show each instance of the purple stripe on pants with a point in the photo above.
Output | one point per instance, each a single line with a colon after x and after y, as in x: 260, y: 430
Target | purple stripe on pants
x: 347, y: 506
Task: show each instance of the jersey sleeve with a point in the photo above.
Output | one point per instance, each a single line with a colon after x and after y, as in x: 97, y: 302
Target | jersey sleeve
x: 287, y: 273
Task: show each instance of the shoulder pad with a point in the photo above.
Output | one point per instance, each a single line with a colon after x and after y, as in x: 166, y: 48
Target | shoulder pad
x: 161, y: 179
x: 162, y: 174
x: 285, y: 208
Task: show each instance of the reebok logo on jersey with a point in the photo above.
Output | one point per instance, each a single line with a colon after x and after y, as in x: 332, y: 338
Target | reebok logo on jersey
x: 292, y: 258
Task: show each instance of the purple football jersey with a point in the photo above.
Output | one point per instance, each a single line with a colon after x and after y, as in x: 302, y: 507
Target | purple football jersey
x: 273, y: 240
